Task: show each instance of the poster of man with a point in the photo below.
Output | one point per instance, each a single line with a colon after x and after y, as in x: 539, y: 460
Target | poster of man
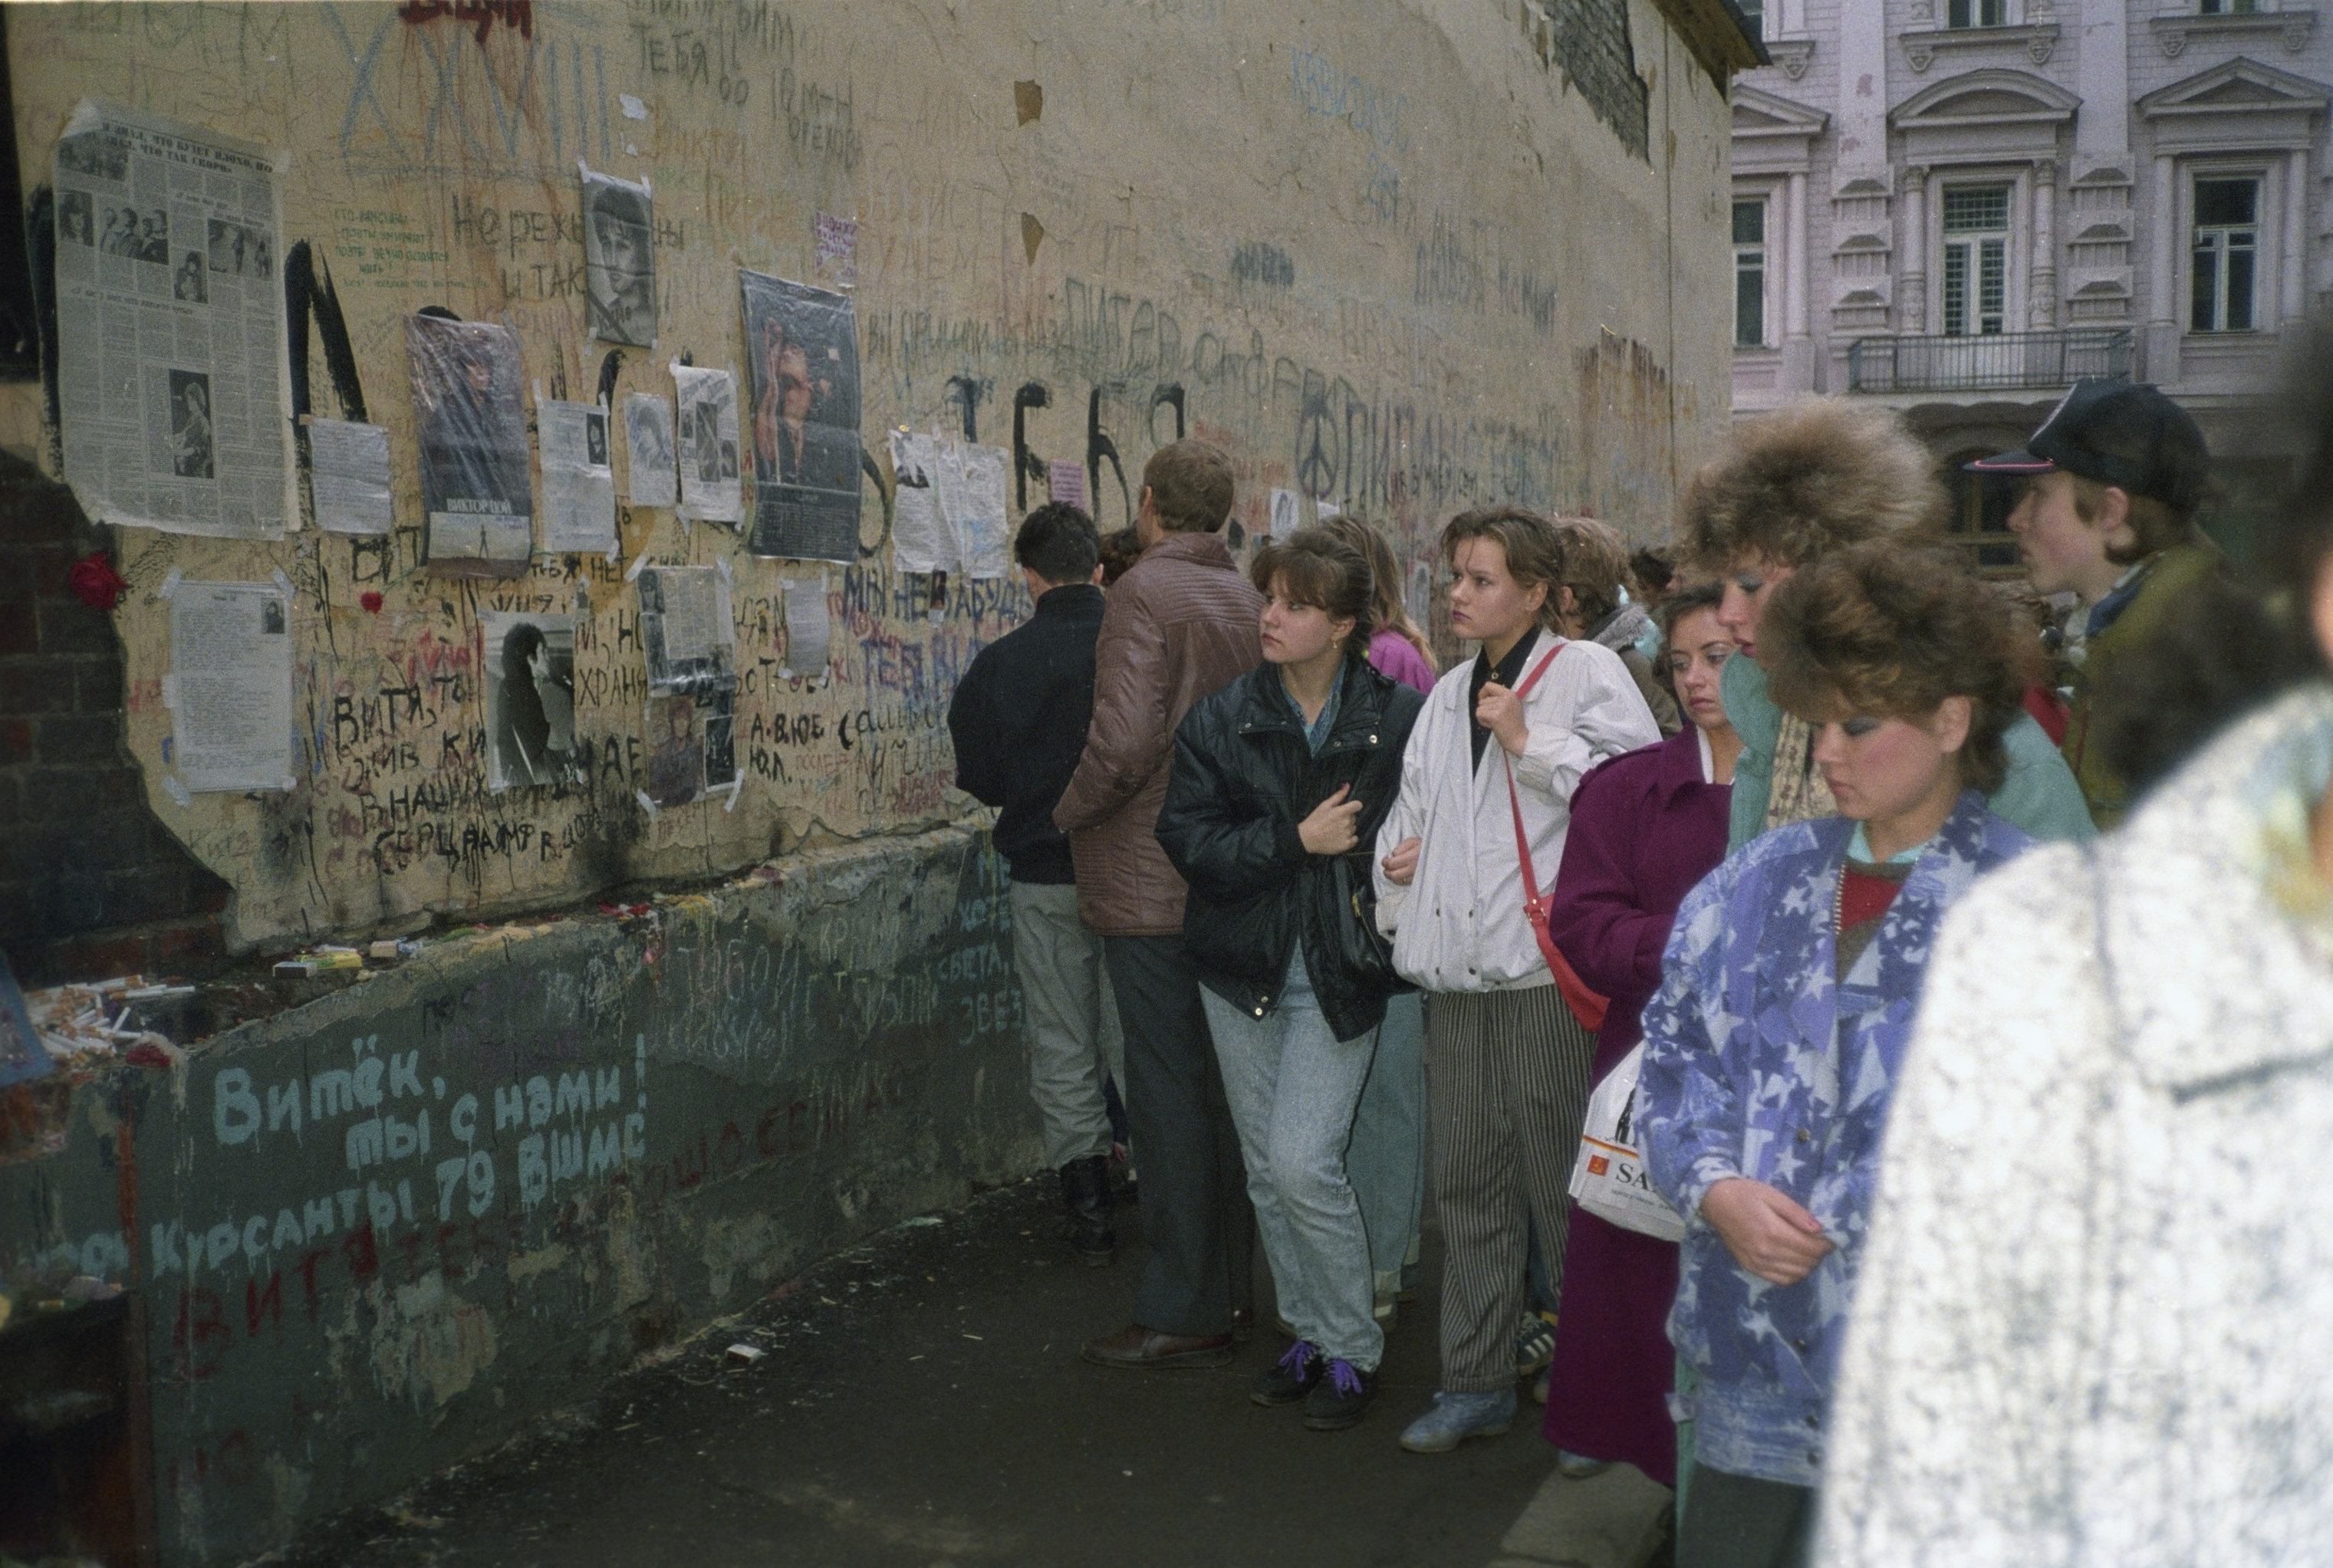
x: 192, y: 455
x: 477, y: 491
x: 803, y: 357
x: 618, y: 260
x: 530, y: 662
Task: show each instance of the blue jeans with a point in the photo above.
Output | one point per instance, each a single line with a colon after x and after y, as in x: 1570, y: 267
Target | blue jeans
x: 1386, y: 1160
x: 1294, y: 1087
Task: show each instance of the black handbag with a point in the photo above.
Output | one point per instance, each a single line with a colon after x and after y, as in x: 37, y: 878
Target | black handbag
x: 1359, y: 951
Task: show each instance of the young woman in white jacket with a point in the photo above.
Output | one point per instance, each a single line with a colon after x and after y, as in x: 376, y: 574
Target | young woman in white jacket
x: 1506, y: 1061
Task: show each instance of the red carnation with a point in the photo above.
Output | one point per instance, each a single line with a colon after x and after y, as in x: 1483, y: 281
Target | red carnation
x: 96, y: 583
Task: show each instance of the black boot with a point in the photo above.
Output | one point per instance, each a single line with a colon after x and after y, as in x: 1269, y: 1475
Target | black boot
x: 1085, y: 1193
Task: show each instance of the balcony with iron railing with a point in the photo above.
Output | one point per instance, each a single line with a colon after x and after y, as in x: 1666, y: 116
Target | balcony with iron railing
x: 2004, y: 362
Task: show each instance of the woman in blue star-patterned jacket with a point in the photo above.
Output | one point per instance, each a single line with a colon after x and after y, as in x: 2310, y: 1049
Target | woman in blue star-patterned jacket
x: 1787, y: 998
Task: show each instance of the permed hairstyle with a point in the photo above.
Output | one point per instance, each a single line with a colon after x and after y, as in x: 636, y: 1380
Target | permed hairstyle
x: 1057, y: 542
x: 1387, y: 612
x: 1534, y: 548
x: 1794, y: 485
x: 1595, y: 566
x: 1191, y: 485
x: 1313, y: 567
x: 1889, y: 629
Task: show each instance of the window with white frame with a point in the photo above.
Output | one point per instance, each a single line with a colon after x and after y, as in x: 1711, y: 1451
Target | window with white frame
x: 1750, y: 273
x: 2229, y: 8
x: 1976, y: 12
x: 1976, y: 260
x: 2225, y: 254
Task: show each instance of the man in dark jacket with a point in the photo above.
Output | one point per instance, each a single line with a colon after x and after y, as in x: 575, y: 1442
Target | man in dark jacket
x: 1180, y: 624
x: 1019, y: 722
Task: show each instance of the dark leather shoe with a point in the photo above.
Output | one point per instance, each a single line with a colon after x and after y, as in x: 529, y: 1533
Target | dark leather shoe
x: 1139, y: 1349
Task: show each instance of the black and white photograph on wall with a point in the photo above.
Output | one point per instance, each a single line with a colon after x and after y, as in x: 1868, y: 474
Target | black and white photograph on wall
x: 802, y: 355
x: 718, y: 711
x: 238, y: 250
x: 708, y: 445
x: 100, y: 155
x: 530, y: 669
x: 187, y: 282
x: 193, y: 442
x: 676, y: 751
x: 618, y: 260
x: 648, y: 448
x: 476, y: 493
x: 75, y: 226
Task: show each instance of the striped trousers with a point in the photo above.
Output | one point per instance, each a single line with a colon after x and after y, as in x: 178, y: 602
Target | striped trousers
x: 1506, y: 1094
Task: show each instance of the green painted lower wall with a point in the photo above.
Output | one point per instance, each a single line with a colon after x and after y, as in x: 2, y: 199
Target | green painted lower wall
x: 375, y: 1233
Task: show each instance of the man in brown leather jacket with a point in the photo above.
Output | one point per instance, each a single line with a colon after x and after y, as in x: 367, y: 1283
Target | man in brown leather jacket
x: 1178, y: 626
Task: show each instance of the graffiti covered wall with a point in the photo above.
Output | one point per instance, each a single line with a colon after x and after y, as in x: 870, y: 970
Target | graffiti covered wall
x: 1386, y: 255
x: 373, y: 1235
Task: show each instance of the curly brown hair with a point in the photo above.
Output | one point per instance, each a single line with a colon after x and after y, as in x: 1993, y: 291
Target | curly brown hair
x: 1795, y: 485
x: 1885, y: 630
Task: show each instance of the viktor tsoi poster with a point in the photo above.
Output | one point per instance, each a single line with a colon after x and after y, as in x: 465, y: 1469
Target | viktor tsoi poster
x: 802, y: 348
x: 476, y: 492
x: 171, y: 378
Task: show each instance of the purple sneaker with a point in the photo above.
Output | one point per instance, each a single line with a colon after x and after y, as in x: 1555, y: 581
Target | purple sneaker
x: 1290, y: 1378
x: 1339, y: 1399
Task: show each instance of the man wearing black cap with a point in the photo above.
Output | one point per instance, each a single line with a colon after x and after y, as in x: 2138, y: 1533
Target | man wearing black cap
x: 2108, y: 488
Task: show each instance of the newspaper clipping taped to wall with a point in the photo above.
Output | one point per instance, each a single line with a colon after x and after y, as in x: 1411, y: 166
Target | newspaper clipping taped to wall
x: 170, y: 372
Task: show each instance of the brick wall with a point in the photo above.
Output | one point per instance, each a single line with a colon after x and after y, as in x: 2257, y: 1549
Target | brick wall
x: 1589, y: 39
x: 91, y: 884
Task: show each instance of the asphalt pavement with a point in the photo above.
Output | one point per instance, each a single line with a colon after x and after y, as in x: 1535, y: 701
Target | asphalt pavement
x: 922, y: 1403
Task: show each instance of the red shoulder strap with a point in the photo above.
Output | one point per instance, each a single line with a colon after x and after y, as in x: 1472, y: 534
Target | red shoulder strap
x: 1514, y: 802
x: 1524, y: 690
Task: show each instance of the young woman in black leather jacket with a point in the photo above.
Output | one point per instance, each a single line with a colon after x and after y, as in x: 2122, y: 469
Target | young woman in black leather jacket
x: 1280, y: 782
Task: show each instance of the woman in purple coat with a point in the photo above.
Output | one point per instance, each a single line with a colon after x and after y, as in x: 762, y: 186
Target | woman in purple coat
x: 1644, y: 829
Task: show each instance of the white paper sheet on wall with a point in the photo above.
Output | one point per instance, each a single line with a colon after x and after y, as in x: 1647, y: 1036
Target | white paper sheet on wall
x: 230, y: 685
x: 809, y: 630
x: 709, y: 488
x: 172, y: 382
x: 921, y: 539
x: 648, y: 449
x: 578, y: 485
x: 348, y: 477
x: 971, y: 497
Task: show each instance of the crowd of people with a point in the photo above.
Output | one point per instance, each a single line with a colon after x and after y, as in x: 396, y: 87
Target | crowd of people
x: 1958, y: 1219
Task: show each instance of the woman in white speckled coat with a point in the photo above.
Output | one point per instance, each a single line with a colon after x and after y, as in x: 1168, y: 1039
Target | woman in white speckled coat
x: 2095, y: 1325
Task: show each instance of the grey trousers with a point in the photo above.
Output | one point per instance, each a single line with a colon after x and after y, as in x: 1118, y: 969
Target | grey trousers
x: 1292, y: 1086
x: 1194, y: 1196
x: 1072, y: 1020
x: 1506, y: 1090
x: 1386, y: 1159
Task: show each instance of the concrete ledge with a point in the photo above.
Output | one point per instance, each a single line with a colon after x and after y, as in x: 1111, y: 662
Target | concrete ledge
x: 374, y: 1234
x: 1610, y: 1521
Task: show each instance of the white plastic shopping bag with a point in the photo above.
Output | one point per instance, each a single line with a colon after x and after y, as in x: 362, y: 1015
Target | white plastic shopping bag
x: 1608, y: 1179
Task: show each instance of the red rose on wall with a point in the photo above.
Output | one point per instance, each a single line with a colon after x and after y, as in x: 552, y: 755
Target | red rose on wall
x: 95, y: 582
